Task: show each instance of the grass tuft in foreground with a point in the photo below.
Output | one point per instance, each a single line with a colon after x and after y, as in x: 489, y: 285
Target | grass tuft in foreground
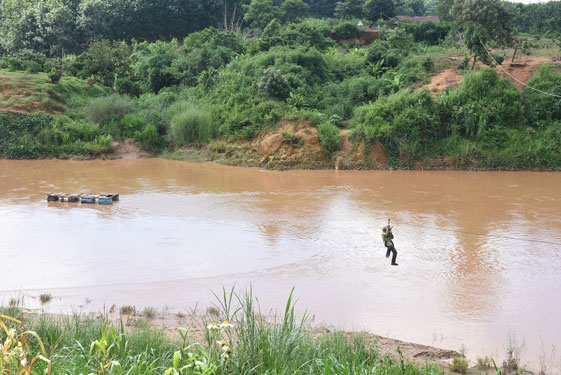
x: 243, y: 341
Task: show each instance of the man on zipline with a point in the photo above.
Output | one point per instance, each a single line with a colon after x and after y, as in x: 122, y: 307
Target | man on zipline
x: 387, y: 236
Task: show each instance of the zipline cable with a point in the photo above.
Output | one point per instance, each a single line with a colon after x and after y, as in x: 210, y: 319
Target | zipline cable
x: 516, y: 79
x: 484, y: 235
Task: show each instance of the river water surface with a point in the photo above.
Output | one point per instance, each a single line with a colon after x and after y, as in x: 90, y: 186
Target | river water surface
x: 479, y: 252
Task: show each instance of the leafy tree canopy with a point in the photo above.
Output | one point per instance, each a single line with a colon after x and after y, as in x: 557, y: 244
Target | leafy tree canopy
x: 294, y: 10
x: 261, y: 12
x: 376, y: 9
x: 349, y: 9
x: 495, y: 17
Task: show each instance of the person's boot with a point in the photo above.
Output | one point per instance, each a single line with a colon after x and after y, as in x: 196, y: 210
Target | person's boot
x: 395, y: 264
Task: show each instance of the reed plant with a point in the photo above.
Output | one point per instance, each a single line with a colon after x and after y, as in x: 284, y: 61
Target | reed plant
x: 191, y: 124
x: 248, y: 341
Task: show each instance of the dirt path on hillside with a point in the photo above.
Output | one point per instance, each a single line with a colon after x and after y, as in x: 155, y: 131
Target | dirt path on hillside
x: 523, y: 70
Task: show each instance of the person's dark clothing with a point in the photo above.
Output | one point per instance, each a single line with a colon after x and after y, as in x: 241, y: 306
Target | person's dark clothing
x: 391, y: 249
x: 388, y: 243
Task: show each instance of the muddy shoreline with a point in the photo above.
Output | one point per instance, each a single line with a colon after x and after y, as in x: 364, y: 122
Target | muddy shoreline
x: 242, y: 155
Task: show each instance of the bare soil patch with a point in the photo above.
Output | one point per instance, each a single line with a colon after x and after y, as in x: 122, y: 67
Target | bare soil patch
x: 127, y: 149
x: 525, y: 67
x: 19, y: 92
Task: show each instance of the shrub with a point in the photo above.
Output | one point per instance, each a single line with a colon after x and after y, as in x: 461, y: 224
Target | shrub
x: 499, y: 58
x: 127, y: 86
x: 406, y: 124
x: 55, y: 76
x: 464, y: 65
x: 191, y: 124
x: 109, y: 108
x: 380, y: 50
x: 336, y: 120
x: 132, y: 125
x: 346, y: 30
x: 484, y: 363
x: 538, y: 107
x: 274, y: 84
x: 104, y: 142
x: 400, y: 41
x: 292, y: 138
x: 329, y: 138
x: 128, y: 310
x: 149, y: 138
x: 377, y: 51
x: 484, y: 101
x: 150, y: 312
x: 459, y: 365
x: 45, y: 297
x: 429, y: 32
x: 428, y: 64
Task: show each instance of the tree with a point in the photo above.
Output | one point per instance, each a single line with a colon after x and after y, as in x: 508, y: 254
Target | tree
x: 95, y: 19
x: 55, y: 25
x: 418, y: 6
x: 475, y: 38
x: 45, y: 25
x: 322, y: 8
x: 294, y: 10
x: 349, y: 9
x: 232, y: 14
x: 483, y: 21
x: 376, y: 9
x: 105, y: 60
x: 261, y: 12
x: 444, y: 9
x: 153, y: 63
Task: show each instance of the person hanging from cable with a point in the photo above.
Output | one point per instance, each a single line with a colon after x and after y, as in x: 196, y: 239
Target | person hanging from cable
x: 387, y: 236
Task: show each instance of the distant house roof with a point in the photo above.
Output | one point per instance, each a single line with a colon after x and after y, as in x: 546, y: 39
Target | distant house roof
x: 419, y: 18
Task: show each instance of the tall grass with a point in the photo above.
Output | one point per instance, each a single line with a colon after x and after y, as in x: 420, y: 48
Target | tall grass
x: 250, y: 342
x: 108, y: 109
x: 191, y: 124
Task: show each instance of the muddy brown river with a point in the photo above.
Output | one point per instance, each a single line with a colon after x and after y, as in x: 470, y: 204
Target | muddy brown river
x: 479, y: 253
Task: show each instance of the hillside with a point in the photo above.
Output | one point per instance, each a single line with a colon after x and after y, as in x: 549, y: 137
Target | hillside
x: 282, y: 85
x: 23, y: 92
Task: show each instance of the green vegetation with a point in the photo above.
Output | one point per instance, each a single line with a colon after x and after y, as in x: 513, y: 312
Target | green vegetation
x: 45, y: 297
x: 459, y: 365
x: 244, y: 343
x: 181, y: 83
x: 127, y: 310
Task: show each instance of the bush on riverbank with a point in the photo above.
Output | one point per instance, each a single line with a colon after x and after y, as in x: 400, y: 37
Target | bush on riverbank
x: 39, y: 135
x: 246, y: 344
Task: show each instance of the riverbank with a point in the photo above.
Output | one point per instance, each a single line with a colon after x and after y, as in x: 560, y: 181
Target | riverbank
x: 271, y: 151
x: 286, y: 342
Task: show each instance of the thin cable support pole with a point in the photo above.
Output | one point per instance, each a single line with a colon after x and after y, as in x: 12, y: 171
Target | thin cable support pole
x: 516, y: 79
